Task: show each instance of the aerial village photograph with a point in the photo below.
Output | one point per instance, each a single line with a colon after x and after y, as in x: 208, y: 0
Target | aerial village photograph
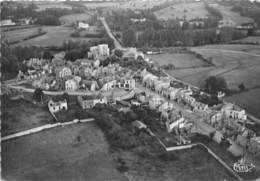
x: 130, y: 90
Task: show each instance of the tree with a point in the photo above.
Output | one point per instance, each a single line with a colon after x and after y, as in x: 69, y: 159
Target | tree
x: 47, y: 55
x: 38, y: 95
x: 215, y: 84
x: 119, y: 53
x: 242, y: 87
x: 66, y: 96
x: 129, y: 37
x: 74, y: 54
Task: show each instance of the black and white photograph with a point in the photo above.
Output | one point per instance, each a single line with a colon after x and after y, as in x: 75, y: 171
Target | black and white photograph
x: 130, y: 90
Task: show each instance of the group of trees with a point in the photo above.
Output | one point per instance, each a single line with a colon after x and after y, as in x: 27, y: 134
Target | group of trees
x: 49, y: 16
x: 12, y: 58
x: 249, y: 9
x: 78, y: 49
x: 158, y: 33
x: 215, y: 84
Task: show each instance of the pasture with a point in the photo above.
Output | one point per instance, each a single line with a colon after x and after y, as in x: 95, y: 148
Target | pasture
x: 181, y: 10
x: 233, y: 16
x: 72, y: 18
x: 249, y: 40
x: 45, y: 5
x: 20, y: 34
x: 235, y: 66
x: 236, y: 63
x: 21, y: 115
x: 55, y: 36
x: 56, y: 154
x: 249, y: 100
x: 179, y: 60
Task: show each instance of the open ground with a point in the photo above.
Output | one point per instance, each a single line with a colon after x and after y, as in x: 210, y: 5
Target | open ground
x: 233, y: 16
x: 179, y: 60
x: 187, y: 10
x: 72, y: 18
x: 21, y: 115
x: 57, y: 155
x: 236, y: 63
x: 55, y: 36
x: 45, y: 5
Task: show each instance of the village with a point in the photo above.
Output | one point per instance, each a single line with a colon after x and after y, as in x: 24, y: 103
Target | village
x: 123, y: 104
x: 183, y: 109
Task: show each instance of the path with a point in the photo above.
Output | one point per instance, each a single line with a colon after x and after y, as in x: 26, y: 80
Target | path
x: 44, y: 127
x: 110, y: 34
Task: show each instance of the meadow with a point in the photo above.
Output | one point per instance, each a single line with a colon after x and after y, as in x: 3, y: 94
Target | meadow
x: 179, y: 60
x: 181, y: 10
x: 249, y: 100
x: 45, y: 5
x: 68, y: 19
x: 21, y: 34
x: 236, y: 63
x: 55, y: 36
x: 231, y: 15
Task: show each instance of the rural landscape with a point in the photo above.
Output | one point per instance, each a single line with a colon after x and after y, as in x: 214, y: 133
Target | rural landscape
x: 130, y: 90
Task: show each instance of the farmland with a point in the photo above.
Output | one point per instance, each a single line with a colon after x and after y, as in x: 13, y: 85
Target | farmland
x: 21, y: 115
x: 45, y: 5
x: 125, y: 5
x: 248, y: 100
x: 68, y: 19
x: 188, y: 10
x: 56, y: 155
x: 179, y: 60
x: 236, y: 63
x: 21, y: 34
x: 249, y: 40
x: 234, y: 66
x: 230, y: 15
x: 55, y: 36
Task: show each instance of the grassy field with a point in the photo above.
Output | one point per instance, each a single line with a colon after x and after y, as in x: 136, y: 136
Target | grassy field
x: 44, y: 5
x: 68, y: 19
x: 133, y: 4
x: 56, y: 155
x: 21, y: 115
x: 234, y: 16
x: 234, y: 65
x: 249, y: 40
x: 249, y: 100
x: 55, y: 36
x: 188, y: 10
x: 179, y: 60
x: 20, y: 34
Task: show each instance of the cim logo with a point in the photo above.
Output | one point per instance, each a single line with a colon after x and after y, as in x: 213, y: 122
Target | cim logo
x: 241, y: 166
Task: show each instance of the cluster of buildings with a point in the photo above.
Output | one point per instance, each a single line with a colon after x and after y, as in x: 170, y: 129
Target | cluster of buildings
x: 227, y: 120
x: 81, y: 75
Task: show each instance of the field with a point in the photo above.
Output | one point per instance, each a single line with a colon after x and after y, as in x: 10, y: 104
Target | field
x: 56, y: 155
x: 20, y: 34
x: 179, y: 60
x: 249, y: 100
x: 235, y: 66
x: 55, y: 36
x: 236, y: 63
x: 44, y: 5
x: 234, y: 16
x: 68, y: 19
x: 21, y: 115
x: 134, y: 4
x: 249, y: 40
x: 188, y: 10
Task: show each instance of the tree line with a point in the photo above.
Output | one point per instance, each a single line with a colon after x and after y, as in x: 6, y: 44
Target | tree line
x: 49, y: 16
